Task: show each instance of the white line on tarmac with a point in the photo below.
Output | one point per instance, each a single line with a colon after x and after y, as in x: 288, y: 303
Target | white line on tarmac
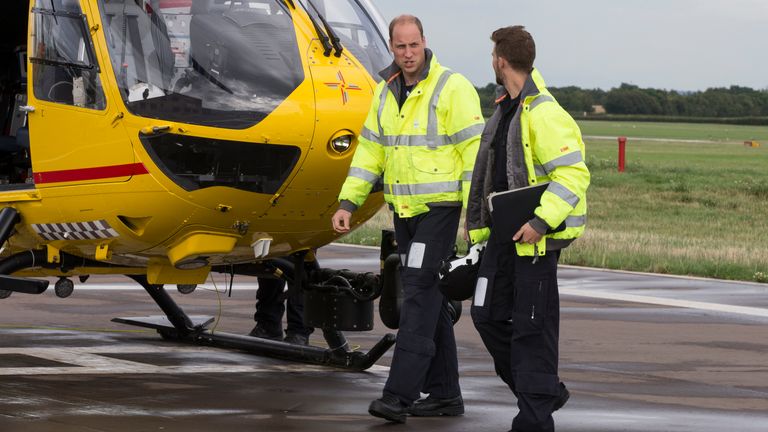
x: 716, y: 307
x: 92, y: 361
x: 688, y: 304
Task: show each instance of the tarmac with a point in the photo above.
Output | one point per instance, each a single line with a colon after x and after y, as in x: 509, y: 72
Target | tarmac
x: 639, y: 353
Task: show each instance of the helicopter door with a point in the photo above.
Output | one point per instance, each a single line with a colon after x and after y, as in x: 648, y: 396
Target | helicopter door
x: 72, y: 127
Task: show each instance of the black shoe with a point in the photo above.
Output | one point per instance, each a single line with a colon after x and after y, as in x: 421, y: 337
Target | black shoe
x: 260, y: 332
x: 562, y: 399
x: 433, y: 407
x: 296, y: 339
x: 389, y: 408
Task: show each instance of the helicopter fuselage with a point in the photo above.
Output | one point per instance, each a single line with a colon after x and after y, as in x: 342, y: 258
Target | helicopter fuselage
x: 166, y: 137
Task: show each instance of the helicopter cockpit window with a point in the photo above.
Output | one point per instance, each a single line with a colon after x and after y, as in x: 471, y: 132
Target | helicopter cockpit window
x: 356, y: 30
x: 65, y: 70
x: 221, y: 63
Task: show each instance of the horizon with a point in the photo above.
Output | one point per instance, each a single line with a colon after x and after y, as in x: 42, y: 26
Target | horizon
x: 680, y: 45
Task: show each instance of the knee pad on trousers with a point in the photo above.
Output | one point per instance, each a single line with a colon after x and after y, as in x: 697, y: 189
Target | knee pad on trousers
x: 537, y: 383
x: 415, y: 344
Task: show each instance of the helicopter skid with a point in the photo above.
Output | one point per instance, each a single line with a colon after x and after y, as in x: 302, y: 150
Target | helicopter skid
x: 353, y: 360
x: 23, y: 285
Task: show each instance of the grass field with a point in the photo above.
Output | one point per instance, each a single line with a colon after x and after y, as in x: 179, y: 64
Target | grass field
x: 676, y: 131
x: 680, y: 207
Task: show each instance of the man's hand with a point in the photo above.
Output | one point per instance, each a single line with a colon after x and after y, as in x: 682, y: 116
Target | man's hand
x: 340, y: 220
x: 527, y: 234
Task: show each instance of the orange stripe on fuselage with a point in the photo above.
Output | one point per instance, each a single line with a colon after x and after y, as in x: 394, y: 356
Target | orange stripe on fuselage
x: 83, y: 174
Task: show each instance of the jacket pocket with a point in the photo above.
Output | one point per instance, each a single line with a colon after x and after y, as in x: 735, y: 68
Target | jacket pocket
x: 441, y: 160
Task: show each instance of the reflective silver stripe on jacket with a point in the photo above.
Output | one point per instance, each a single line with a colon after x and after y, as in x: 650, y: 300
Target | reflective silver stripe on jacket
x: 566, y: 160
x: 370, y: 135
x: 382, y: 101
x: 539, y: 100
x: 423, y: 140
x: 432, y: 118
x: 432, y: 139
x: 539, y: 170
x: 575, y: 221
x: 466, y: 133
x: 466, y: 176
x: 564, y: 193
x: 422, y: 188
x: 363, y: 174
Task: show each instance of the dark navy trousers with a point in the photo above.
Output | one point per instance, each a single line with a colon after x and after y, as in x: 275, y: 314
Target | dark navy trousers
x: 516, y: 310
x: 424, y: 359
x: 270, y: 306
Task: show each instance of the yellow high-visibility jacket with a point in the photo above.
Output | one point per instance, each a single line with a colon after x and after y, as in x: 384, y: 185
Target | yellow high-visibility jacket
x: 425, y: 151
x: 554, y: 152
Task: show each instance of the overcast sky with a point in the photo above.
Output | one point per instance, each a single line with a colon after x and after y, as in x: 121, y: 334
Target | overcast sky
x: 665, y: 44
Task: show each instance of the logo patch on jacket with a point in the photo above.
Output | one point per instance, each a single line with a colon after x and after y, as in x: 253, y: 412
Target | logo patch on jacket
x: 564, y: 149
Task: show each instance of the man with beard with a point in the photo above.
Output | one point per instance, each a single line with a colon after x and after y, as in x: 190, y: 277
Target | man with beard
x: 529, y: 140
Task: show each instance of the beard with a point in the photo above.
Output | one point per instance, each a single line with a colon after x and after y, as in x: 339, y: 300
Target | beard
x: 499, y: 76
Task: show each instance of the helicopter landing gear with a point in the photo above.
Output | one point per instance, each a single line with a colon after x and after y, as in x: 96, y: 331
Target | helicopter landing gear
x: 64, y: 287
x: 178, y: 326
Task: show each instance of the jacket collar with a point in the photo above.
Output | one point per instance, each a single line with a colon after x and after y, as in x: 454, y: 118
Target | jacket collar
x: 532, y: 87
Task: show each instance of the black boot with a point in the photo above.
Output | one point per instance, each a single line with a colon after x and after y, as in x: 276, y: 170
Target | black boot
x: 432, y: 407
x: 562, y: 399
x: 261, y: 332
x: 390, y: 408
x: 296, y: 339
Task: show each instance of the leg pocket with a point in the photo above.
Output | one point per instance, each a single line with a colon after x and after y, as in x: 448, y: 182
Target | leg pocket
x: 530, y: 306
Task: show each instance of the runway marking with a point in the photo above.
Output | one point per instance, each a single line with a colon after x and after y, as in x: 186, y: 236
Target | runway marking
x: 634, y: 298
x: 92, y: 361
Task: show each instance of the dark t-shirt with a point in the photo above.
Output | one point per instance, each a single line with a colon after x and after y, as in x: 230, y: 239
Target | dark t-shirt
x: 407, y: 89
x: 508, y: 109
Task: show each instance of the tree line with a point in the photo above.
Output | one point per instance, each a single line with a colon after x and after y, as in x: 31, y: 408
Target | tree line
x: 714, y: 103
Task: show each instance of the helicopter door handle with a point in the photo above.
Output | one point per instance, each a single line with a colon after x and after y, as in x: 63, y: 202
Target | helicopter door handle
x: 154, y: 130
x: 27, y: 108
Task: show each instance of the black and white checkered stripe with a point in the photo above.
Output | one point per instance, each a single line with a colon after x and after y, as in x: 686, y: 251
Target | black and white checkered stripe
x: 75, y: 230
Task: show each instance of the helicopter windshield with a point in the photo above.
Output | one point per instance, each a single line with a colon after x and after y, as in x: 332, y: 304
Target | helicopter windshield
x: 354, y: 23
x: 221, y: 63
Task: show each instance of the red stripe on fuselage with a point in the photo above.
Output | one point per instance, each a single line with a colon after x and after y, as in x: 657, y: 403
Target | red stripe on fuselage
x: 95, y: 173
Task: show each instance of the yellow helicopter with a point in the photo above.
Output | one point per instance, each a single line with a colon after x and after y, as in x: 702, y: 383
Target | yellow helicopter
x: 166, y: 139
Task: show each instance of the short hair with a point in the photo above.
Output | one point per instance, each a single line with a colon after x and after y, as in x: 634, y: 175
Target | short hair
x: 515, y: 45
x: 405, y: 19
